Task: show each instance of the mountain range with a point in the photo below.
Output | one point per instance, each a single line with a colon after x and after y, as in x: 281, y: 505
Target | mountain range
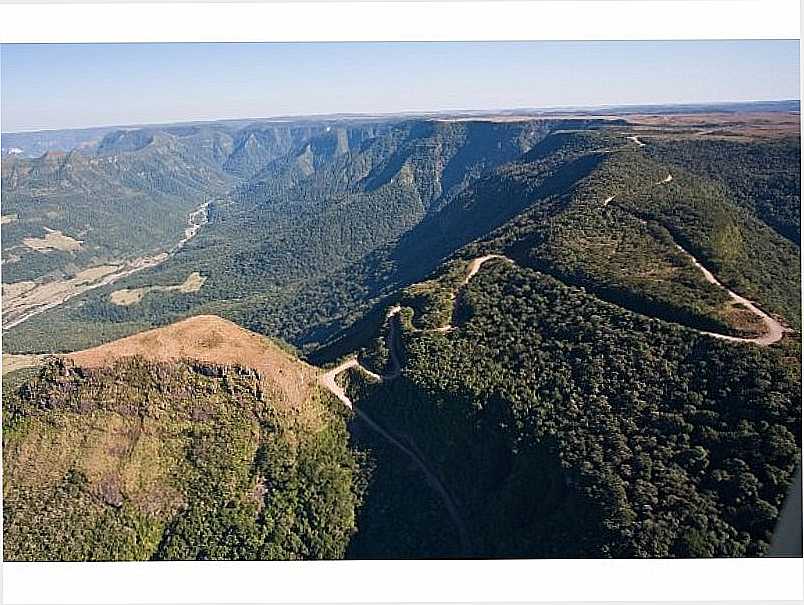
x: 505, y: 335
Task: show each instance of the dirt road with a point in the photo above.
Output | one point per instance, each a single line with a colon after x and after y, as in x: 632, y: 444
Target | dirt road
x: 328, y: 381
x: 774, y: 333
x: 774, y: 329
x: 413, y: 453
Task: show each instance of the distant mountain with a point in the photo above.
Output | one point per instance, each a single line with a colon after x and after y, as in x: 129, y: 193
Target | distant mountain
x: 128, y: 198
x: 35, y: 143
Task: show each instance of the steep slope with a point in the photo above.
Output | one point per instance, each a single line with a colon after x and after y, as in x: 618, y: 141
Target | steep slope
x: 562, y: 338
x: 761, y: 176
x: 129, y: 199
x: 618, y: 235
x: 77, y: 221
x: 285, y: 255
x: 208, y: 443
x: 570, y: 421
x: 565, y: 426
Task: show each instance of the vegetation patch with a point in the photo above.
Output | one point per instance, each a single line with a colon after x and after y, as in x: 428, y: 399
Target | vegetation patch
x: 211, y: 339
x: 567, y: 427
x: 143, y: 460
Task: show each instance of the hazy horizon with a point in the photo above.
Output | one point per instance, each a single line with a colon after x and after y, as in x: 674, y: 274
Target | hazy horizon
x: 558, y: 109
x: 76, y: 86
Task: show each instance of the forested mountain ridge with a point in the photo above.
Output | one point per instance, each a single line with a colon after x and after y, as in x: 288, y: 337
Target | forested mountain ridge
x: 574, y: 394
x: 645, y: 439
x: 433, y: 186
x: 653, y: 436
x: 763, y: 177
x: 618, y: 234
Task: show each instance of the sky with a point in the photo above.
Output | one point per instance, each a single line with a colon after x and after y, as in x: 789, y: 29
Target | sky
x: 50, y: 86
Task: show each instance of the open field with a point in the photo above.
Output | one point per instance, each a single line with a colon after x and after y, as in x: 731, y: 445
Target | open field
x: 125, y: 296
x: 732, y: 126
x: 12, y: 363
x: 22, y: 300
x: 53, y: 240
x: 203, y: 338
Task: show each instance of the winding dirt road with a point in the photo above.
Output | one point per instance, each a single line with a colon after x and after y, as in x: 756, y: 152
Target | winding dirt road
x: 774, y: 333
x: 413, y: 453
x: 773, y: 329
x: 328, y: 381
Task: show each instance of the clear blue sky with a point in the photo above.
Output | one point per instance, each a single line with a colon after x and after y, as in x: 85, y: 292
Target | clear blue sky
x: 65, y: 86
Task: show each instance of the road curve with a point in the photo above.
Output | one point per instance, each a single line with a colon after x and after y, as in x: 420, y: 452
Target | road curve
x: 471, y: 270
x: 774, y: 333
x: 773, y: 329
x: 474, y: 266
x: 327, y: 379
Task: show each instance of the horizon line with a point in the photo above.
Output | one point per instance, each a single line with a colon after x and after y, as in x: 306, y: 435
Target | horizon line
x: 401, y: 113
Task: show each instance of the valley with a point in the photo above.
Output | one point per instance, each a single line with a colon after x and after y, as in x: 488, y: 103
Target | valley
x: 23, y: 300
x: 489, y: 337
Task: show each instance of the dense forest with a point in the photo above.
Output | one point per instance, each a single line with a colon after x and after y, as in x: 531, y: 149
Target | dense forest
x: 762, y: 176
x: 422, y: 192
x: 128, y: 199
x: 617, y: 232
x: 566, y: 427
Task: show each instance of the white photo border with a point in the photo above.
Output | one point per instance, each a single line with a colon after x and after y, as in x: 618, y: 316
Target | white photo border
x: 402, y: 581
x: 400, y: 20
